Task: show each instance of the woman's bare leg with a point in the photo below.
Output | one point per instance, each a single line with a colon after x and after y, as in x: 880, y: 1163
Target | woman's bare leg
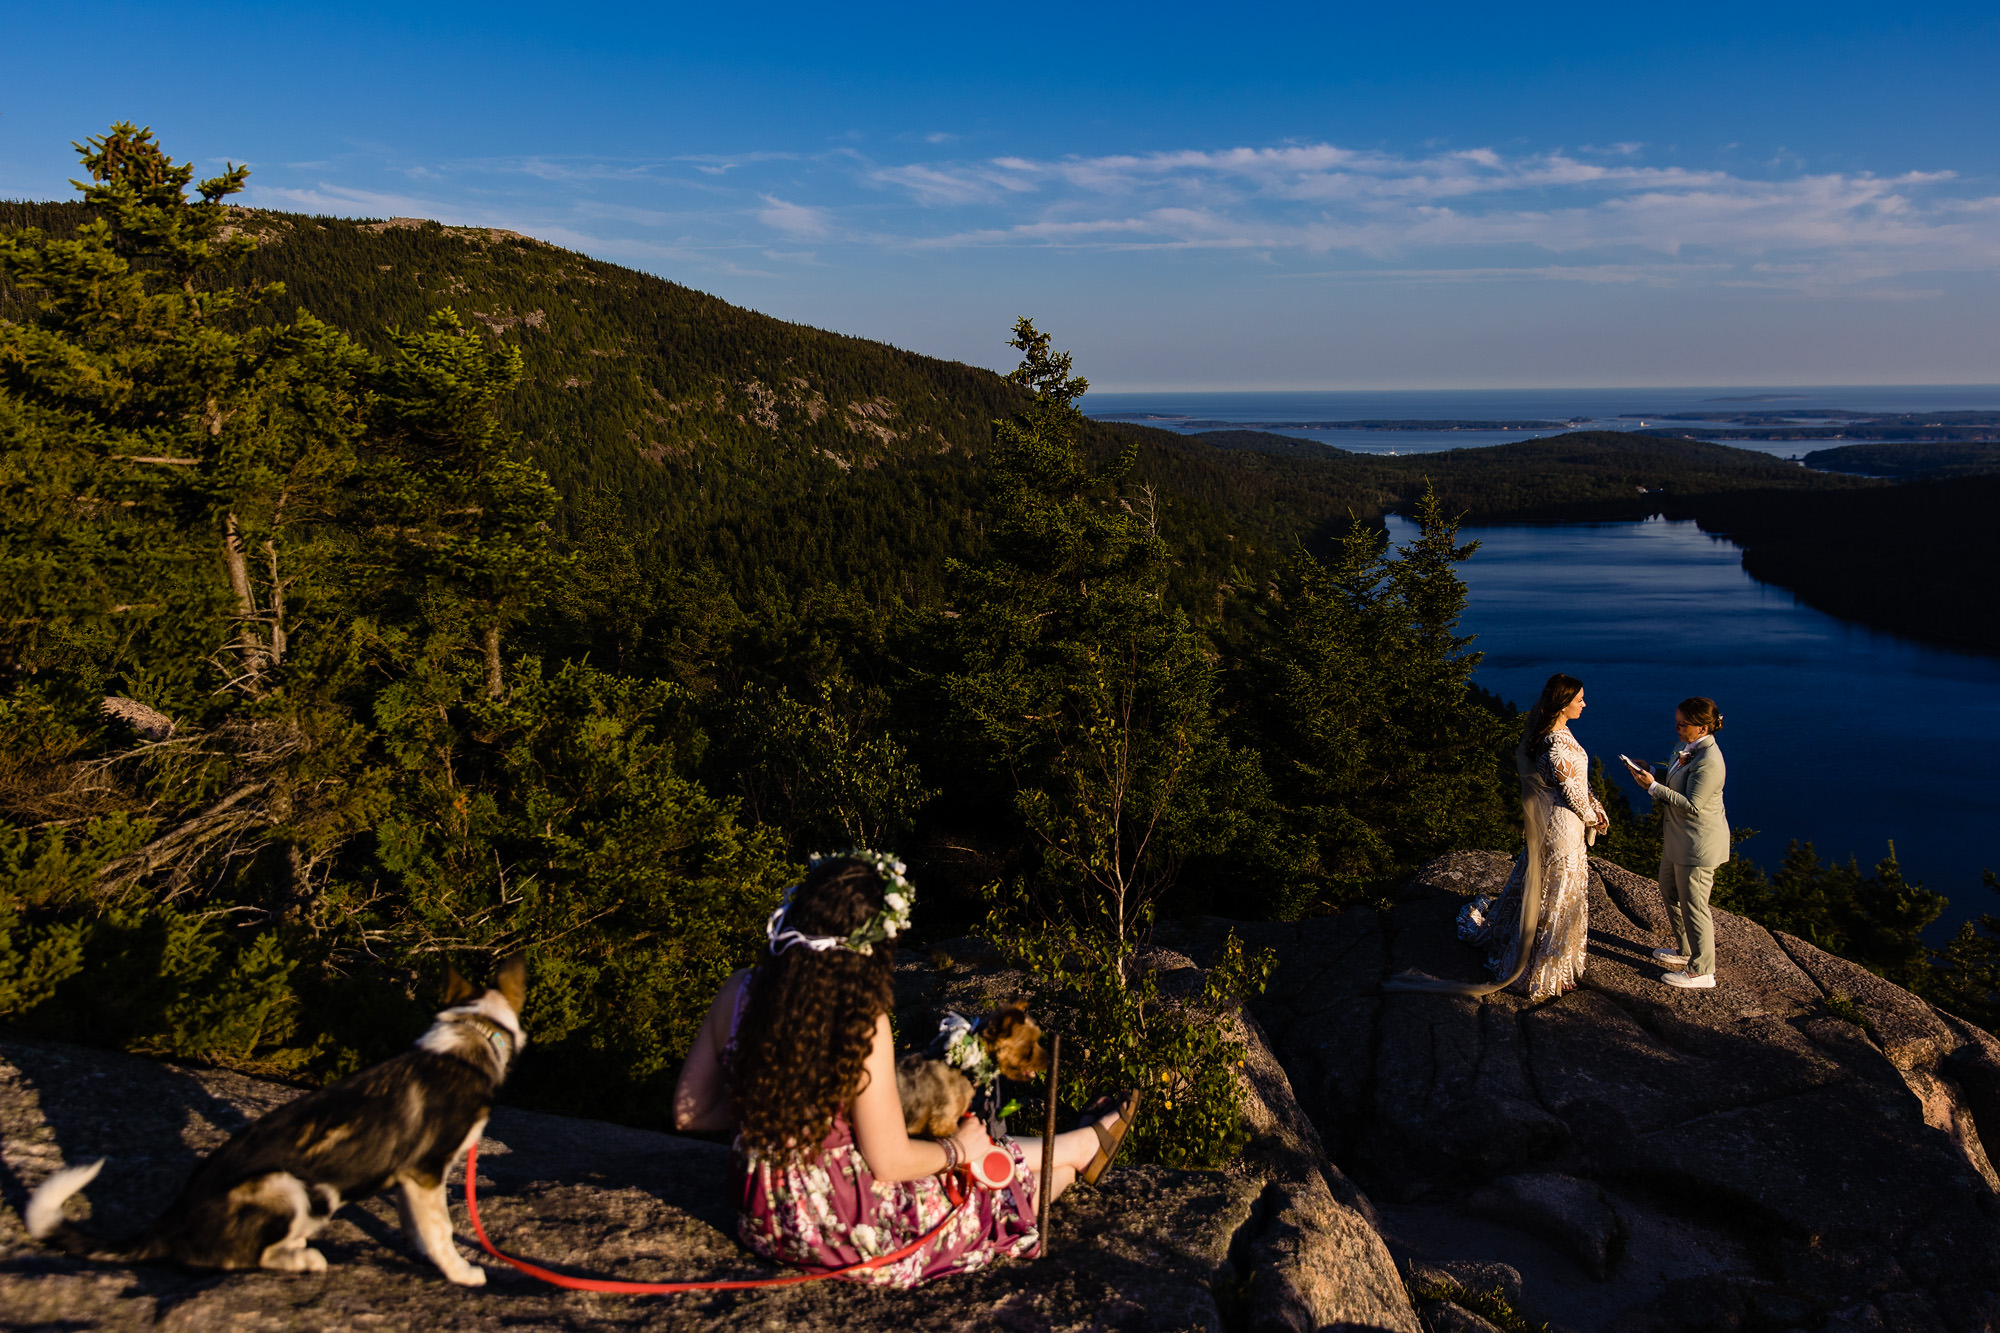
x: 1074, y: 1149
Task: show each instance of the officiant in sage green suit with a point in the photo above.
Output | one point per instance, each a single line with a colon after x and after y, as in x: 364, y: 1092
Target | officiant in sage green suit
x: 1695, y: 832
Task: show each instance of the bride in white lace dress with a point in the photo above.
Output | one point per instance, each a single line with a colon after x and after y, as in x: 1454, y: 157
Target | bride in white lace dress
x: 1548, y: 895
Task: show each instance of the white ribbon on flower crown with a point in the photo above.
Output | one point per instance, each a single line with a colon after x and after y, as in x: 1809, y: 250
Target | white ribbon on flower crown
x: 885, y: 924
x: 783, y: 937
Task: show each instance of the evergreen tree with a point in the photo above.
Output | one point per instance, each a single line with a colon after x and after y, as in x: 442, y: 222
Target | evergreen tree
x: 283, y: 564
x: 449, y: 505
x: 1876, y: 920
x: 1968, y: 969
x: 1373, y: 735
x: 171, y: 467
x: 1091, y: 693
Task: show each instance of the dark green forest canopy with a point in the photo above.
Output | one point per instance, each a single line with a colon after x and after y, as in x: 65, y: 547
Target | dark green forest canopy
x: 1916, y: 559
x: 1907, y: 461
x: 304, y: 692
x: 759, y: 459
x: 783, y: 456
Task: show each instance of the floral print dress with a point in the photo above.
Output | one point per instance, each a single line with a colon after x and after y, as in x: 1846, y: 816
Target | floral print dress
x: 1561, y: 935
x: 827, y: 1212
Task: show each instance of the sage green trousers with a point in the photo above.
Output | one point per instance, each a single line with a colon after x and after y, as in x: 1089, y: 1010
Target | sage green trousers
x: 1686, y: 889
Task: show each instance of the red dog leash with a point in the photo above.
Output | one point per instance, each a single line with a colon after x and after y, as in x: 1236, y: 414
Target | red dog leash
x: 615, y: 1287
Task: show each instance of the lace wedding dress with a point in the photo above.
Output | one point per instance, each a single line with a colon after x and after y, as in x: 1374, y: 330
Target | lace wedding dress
x: 1566, y: 811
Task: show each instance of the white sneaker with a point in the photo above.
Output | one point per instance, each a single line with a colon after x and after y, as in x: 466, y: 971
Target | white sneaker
x: 1689, y: 981
x: 1671, y: 957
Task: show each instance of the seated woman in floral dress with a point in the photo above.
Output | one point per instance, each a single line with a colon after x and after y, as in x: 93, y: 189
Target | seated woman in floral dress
x: 796, y: 1055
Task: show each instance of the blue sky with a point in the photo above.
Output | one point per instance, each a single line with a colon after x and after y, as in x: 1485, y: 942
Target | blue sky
x: 1310, y: 196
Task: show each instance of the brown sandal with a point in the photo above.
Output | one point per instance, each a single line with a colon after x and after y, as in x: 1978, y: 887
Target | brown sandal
x: 1108, y: 1139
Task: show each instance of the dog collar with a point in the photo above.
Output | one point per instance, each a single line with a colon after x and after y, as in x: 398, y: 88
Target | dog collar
x: 495, y: 1035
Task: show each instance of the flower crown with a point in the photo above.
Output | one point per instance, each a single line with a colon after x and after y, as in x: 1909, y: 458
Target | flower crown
x: 963, y: 1050
x: 890, y: 921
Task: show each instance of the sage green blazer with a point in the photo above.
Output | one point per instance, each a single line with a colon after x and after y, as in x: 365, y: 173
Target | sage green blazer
x: 1695, y: 826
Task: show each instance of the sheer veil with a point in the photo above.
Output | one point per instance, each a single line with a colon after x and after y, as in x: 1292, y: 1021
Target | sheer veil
x: 1537, y: 805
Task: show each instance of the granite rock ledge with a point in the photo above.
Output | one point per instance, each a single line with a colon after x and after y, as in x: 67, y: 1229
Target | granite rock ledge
x: 1277, y: 1241
x: 1645, y: 1157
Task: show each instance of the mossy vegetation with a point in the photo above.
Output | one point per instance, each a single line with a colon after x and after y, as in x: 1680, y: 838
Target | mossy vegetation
x: 1491, y: 1305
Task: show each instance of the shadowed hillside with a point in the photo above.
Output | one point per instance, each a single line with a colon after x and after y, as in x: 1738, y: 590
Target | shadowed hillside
x: 780, y: 454
x: 1909, y: 462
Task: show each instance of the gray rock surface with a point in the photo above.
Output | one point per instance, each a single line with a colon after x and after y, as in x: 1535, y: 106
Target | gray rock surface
x: 1280, y: 1240
x: 1572, y: 1213
x: 1627, y: 1157
x: 1747, y: 1143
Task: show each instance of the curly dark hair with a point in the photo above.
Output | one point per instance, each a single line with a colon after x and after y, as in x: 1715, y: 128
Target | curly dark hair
x: 809, y: 1018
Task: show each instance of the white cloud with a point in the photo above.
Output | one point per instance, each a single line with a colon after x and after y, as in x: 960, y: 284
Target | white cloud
x: 793, y: 219
x: 955, y: 185
x: 1497, y: 210
x: 1598, y: 214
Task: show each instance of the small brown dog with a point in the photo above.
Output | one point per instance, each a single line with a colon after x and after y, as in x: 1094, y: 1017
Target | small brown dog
x: 937, y: 1083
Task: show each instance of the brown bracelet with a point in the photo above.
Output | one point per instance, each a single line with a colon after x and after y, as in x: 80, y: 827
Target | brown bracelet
x: 950, y: 1156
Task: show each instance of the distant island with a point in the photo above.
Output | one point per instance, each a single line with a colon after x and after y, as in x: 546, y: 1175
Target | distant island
x: 1202, y: 423
x: 1826, y: 423
x: 1906, y: 461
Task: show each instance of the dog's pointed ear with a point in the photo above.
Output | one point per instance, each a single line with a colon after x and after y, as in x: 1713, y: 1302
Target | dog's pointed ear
x: 457, y: 990
x: 512, y: 981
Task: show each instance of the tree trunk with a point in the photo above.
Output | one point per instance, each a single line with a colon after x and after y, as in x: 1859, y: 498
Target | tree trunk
x: 277, y: 605
x: 496, y: 684
x: 247, y: 641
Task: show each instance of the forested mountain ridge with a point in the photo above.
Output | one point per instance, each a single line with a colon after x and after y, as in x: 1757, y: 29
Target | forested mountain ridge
x: 777, y: 454
x: 1909, y: 462
x: 1591, y: 475
x: 336, y: 642
x: 610, y: 350
x: 696, y: 423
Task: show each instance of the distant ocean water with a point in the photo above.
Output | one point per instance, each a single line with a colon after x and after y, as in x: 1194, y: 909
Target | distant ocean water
x: 1588, y: 409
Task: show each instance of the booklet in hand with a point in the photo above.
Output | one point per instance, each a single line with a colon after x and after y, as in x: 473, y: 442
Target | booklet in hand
x: 1635, y: 765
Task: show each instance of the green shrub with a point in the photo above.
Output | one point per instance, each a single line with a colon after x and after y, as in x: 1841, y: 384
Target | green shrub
x: 1846, y: 1010
x: 566, y: 820
x: 150, y: 977
x: 1119, y: 1031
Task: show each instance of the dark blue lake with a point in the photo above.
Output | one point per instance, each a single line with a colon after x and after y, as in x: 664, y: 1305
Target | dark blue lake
x: 1837, y: 734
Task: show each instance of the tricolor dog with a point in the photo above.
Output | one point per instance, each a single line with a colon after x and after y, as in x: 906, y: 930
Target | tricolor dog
x: 257, y: 1200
